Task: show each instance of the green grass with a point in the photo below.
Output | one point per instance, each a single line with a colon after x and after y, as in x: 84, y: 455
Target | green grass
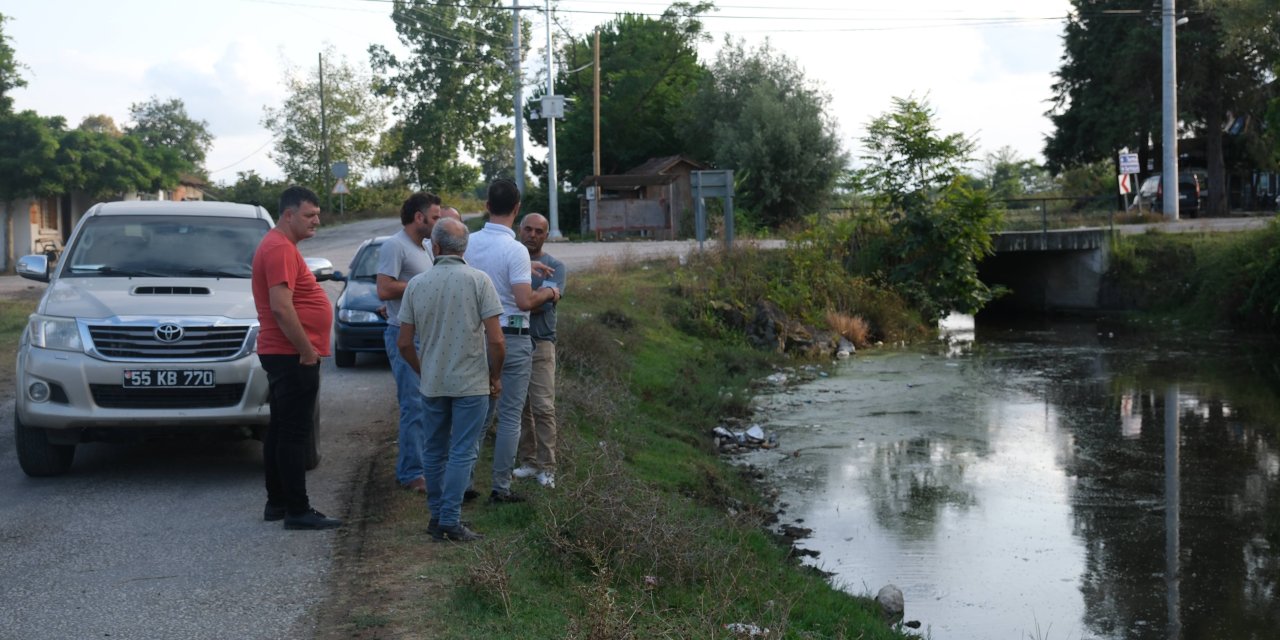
x: 649, y: 533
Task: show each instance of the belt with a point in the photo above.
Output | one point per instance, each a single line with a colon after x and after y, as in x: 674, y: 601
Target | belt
x: 516, y: 331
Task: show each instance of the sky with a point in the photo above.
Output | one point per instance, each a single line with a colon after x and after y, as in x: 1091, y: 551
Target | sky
x: 984, y: 65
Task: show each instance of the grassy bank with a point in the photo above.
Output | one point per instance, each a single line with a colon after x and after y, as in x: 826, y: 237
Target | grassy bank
x: 649, y: 533
x: 13, y: 320
x: 1224, y: 280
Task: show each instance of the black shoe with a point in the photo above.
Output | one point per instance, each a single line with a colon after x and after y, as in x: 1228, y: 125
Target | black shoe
x: 271, y: 513
x: 433, y: 526
x: 469, y: 495
x: 456, y: 533
x: 499, y: 497
x: 311, y: 520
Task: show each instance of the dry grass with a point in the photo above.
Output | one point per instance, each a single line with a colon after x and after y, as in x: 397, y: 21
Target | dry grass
x: 490, y: 574
x: 853, y: 328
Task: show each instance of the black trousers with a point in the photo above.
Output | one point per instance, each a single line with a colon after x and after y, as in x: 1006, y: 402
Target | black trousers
x: 294, y: 391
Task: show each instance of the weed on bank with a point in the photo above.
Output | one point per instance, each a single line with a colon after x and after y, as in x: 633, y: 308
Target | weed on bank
x: 649, y: 533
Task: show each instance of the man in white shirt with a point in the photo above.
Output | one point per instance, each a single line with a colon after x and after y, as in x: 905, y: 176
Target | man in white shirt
x: 496, y: 251
x: 400, y: 258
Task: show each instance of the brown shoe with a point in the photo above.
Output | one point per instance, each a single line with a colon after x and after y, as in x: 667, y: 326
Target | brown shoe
x: 418, y: 485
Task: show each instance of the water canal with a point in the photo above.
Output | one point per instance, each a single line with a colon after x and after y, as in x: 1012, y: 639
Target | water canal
x: 1020, y: 482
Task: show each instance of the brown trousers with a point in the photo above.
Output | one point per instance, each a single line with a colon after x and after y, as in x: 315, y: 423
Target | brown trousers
x: 538, y: 422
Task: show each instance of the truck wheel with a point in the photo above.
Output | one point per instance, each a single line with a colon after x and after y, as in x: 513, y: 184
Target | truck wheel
x: 313, y: 440
x: 344, y: 358
x: 37, y: 457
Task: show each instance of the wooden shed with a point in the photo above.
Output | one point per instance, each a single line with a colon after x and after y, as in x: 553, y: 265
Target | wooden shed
x: 654, y: 199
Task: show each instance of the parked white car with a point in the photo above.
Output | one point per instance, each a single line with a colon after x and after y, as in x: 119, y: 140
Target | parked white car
x: 147, y: 327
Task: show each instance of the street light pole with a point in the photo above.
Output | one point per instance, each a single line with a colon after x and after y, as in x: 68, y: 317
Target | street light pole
x: 553, y: 183
x: 1169, y: 78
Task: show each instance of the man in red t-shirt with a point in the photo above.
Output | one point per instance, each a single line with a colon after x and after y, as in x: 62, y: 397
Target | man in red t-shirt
x: 294, y: 317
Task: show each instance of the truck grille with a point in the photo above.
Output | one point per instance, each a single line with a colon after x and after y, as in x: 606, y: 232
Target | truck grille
x: 140, y: 342
x: 117, y: 397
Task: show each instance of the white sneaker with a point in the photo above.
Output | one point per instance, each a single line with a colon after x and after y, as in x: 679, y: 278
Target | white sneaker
x: 547, y: 479
x: 525, y: 471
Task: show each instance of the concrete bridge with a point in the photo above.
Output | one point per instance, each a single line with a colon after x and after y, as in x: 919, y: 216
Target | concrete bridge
x: 1061, y: 269
x: 1056, y: 270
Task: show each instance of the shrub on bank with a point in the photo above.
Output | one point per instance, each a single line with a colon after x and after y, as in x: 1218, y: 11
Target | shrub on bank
x: 1211, y: 280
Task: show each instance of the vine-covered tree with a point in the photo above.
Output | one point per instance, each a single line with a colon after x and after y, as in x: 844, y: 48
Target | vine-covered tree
x: 447, y: 91
x: 762, y: 117
x: 354, y: 121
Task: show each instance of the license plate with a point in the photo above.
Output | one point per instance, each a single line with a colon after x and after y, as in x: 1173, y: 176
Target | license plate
x: 168, y: 378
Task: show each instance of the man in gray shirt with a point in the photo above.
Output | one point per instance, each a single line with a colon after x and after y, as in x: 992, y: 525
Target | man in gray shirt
x: 452, y: 309
x: 400, y: 258
x: 537, y: 451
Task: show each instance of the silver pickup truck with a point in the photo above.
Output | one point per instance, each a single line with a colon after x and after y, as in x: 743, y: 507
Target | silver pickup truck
x: 147, y: 328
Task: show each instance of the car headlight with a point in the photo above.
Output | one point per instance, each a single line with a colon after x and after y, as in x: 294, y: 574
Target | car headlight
x: 357, y: 316
x: 48, y: 332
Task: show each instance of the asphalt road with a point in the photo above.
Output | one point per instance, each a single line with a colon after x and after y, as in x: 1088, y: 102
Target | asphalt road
x: 166, y: 540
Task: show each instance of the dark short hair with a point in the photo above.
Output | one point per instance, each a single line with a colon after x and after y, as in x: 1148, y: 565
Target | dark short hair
x: 294, y: 196
x: 420, y: 201
x: 503, y: 197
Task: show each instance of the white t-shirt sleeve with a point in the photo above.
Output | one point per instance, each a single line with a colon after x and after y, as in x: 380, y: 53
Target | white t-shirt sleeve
x: 518, y: 266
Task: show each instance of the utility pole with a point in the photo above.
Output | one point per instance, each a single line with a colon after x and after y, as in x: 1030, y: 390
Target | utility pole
x: 1169, y: 78
x: 553, y: 188
x: 595, y: 69
x: 519, y: 93
x: 324, y: 141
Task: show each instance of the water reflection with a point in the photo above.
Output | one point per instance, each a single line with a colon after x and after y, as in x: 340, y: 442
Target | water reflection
x: 1059, y: 477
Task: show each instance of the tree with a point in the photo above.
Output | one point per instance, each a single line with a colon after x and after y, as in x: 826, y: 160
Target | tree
x: 942, y: 221
x: 101, y: 124
x: 28, y: 147
x: 170, y: 135
x: 648, y: 69
x: 1006, y: 176
x: 104, y: 166
x: 10, y: 68
x: 448, y: 90
x: 1108, y: 92
x: 354, y: 120
x: 908, y: 162
x: 762, y: 118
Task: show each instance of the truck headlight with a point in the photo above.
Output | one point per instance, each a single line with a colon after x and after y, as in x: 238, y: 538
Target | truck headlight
x: 356, y: 316
x: 48, y: 332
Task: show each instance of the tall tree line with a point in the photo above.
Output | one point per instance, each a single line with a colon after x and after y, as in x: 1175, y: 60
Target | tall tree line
x: 1108, y: 91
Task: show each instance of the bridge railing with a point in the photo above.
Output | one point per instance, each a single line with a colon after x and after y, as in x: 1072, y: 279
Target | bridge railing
x: 1045, y: 213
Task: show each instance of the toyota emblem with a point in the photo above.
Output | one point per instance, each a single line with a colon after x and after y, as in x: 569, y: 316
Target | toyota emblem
x: 168, y: 333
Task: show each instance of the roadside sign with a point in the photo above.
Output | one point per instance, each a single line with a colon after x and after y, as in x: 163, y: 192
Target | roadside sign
x: 341, y: 171
x: 1129, y: 163
x: 1125, y: 187
x: 340, y: 187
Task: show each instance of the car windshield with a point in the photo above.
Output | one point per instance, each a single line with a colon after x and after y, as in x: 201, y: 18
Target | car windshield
x: 365, y: 266
x: 153, y: 246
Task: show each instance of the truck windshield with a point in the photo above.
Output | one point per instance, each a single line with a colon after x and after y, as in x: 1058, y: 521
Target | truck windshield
x: 153, y: 246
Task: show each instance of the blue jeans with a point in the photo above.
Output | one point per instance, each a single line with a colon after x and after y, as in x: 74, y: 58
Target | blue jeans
x: 516, y: 368
x: 453, y: 427
x: 409, y: 461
